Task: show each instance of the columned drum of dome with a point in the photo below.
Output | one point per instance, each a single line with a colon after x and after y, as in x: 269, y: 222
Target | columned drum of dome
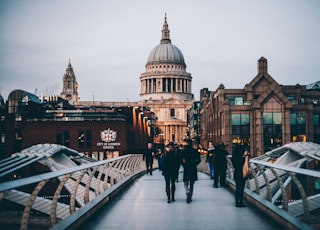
x: 165, y: 75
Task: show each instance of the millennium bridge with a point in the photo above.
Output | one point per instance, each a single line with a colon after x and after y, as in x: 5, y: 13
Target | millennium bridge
x: 72, y: 191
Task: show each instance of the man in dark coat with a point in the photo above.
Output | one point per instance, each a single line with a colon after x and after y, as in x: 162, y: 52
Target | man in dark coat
x: 190, y: 159
x: 148, y: 157
x: 220, y: 165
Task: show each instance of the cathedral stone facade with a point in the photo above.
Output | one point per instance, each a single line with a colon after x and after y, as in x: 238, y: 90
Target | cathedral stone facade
x: 166, y: 89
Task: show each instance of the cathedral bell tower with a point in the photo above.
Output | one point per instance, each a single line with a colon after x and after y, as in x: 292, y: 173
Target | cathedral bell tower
x: 70, y: 86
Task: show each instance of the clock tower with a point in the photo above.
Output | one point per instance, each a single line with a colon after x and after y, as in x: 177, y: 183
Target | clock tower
x: 70, y: 86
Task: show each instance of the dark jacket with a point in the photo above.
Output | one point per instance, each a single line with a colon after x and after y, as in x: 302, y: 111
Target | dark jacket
x: 171, y: 164
x: 220, y: 158
x: 190, y: 159
x: 210, y: 156
x: 148, y: 156
x: 238, y: 161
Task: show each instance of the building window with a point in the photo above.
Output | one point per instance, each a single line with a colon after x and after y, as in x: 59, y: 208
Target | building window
x: 292, y: 100
x: 182, y: 86
x: 3, y: 138
x: 66, y: 136
x: 164, y: 85
x: 272, y: 131
x: 235, y: 100
x: 88, y: 139
x: 154, y: 84
x: 240, y: 128
x: 316, y: 120
x: 59, y: 137
x: 172, y: 113
x: 298, y: 127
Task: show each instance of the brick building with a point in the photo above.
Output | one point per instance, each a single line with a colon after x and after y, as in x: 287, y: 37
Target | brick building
x: 263, y: 114
x: 98, y: 132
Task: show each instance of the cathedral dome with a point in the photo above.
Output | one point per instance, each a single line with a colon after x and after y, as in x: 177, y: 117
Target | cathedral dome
x: 165, y: 52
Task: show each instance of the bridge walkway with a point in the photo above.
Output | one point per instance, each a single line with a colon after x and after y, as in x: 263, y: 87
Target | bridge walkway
x: 143, y: 206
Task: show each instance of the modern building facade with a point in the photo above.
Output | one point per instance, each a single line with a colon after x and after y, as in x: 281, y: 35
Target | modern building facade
x: 166, y: 89
x: 98, y: 132
x: 263, y: 115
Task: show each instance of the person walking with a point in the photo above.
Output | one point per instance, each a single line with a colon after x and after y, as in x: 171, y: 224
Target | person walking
x: 190, y: 159
x: 209, y: 159
x: 238, y: 158
x: 170, y: 170
x: 220, y: 165
x: 148, y: 157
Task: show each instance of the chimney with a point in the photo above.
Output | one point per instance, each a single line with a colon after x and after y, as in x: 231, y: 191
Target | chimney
x: 262, y: 65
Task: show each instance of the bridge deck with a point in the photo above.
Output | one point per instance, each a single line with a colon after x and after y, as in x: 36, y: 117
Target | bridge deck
x: 143, y: 206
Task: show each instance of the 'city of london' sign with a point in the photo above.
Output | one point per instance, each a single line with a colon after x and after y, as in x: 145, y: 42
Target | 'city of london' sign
x: 108, y: 138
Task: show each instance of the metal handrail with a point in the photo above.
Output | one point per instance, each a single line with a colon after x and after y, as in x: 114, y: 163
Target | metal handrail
x: 84, y: 183
x: 268, y: 176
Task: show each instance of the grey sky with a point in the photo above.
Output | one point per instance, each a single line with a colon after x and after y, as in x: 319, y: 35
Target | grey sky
x: 108, y: 43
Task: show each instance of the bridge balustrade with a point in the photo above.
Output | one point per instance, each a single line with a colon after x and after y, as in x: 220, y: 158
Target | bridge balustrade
x: 281, y: 191
x: 284, y: 191
x: 44, y: 200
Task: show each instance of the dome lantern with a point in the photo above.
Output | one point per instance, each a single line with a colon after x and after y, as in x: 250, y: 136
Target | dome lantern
x: 165, y: 32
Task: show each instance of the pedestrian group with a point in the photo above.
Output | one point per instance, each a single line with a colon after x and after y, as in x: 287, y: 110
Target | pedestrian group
x: 188, y: 157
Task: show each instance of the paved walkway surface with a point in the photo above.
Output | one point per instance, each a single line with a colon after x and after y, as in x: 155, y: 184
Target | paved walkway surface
x: 144, y: 206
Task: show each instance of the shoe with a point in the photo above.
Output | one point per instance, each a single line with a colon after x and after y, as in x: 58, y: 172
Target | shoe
x: 215, y: 186
x: 188, y: 200
x: 242, y: 205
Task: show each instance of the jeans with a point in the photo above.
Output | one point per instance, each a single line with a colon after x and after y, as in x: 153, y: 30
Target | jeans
x: 211, y: 169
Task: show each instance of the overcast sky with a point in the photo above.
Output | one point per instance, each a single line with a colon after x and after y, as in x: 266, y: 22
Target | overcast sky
x: 108, y: 43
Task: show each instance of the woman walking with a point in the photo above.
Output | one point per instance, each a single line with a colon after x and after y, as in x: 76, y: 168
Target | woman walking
x: 170, y: 170
x: 239, y: 156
